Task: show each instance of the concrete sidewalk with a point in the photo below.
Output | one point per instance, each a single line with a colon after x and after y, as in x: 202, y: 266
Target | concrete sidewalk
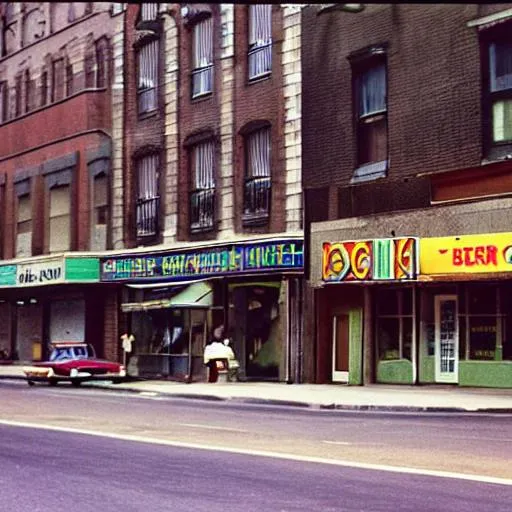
x: 378, y: 397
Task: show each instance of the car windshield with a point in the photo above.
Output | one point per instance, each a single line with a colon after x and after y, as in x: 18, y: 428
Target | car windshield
x: 63, y: 353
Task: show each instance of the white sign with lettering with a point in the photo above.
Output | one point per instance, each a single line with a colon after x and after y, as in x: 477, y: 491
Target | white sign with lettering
x: 40, y: 273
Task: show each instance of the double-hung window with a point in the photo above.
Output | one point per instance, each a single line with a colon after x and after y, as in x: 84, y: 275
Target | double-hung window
x: 58, y: 81
x: 148, y: 198
x: 147, y: 86
x: 500, y: 90
x: 202, y: 193
x: 372, y: 116
x: 60, y: 219
x: 260, y: 41
x: 24, y: 226
x: 257, y: 186
x: 3, y: 101
x: 202, y: 72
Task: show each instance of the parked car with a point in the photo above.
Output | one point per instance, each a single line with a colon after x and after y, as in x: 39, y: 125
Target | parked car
x: 73, y: 362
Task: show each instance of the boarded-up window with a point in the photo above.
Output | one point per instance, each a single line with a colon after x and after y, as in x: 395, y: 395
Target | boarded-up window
x: 147, y: 77
x: 24, y: 227
x: 60, y: 219
x: 99, y: 213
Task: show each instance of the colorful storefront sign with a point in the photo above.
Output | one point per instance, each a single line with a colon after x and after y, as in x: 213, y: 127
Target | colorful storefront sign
x: 491, y: 252
x: 281, y: 255
x: 50, y: 271
x: 387, y: 259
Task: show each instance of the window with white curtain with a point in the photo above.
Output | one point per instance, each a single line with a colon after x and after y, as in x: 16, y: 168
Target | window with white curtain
x: 147, y: 195
x: 60, y: 219
x: 202, y: 58
x: 260, y: 40
x: 147, y: 60
x: 24, y: 227
x: 500, y: 86
x: 257, y: 184
x: 148, y: 11
x: 202, y: 186
x: 372, y: 115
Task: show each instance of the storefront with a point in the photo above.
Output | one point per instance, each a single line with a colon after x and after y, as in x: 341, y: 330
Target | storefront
x: 365, y: 311
x: 466, y: 310
x: 49, y: 298
x: 175, y: 299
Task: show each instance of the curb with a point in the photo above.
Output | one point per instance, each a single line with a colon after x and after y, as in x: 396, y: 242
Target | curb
x: 290, y: 403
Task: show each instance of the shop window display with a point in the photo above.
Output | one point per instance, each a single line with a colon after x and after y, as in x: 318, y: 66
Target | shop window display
x: 394, y: 328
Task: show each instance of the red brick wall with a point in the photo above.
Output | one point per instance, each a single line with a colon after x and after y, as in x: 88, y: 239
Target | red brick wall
x: 138, y: 133
x: 434, y: 88
x: 262, y: 100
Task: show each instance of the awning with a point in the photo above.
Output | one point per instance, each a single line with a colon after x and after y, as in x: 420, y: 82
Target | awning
x: 197, y: 295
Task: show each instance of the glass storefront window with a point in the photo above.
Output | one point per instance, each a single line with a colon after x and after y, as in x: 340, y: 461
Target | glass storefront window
x: 394, y: 326
x: 482, y: 337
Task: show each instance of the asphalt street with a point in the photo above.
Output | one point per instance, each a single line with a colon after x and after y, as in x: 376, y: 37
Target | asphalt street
x: 44, y: 470
x: 478, y: 445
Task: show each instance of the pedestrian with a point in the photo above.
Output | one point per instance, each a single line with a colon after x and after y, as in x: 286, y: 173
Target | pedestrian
x: 215, y: 354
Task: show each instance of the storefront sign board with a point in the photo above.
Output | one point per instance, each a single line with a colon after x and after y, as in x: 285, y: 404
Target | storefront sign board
x: 232, y: 259
x: 40, y: 273
x: 7, y: 275
x: 466, y: 254
x: 386, y: 259
x: 82, y: 269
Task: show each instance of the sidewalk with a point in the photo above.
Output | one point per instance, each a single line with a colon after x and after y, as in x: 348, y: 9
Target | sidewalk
x: 376, y: 397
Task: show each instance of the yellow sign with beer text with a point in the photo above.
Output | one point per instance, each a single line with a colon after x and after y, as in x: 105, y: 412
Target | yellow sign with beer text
x: 466, y: 254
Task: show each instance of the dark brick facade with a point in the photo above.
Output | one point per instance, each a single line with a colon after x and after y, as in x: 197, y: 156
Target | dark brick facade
x: 140, y: 132
x: 433, y: 99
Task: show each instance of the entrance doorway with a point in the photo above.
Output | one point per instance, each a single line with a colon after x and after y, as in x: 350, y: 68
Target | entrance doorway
x: 446, y: 338
x: 340, y: 347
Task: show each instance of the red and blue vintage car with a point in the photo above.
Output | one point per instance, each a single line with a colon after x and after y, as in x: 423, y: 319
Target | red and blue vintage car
x: 73, y: 362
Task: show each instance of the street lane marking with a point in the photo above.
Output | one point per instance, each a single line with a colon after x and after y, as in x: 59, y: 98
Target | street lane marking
x: 211, y: 427
x: 336, y: 442
x: 261, y: 453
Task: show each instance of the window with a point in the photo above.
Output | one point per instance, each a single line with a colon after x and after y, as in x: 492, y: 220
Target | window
x: 394, y: 331
x: 479, y: 322
x: 148, y: 12
x: 500, y: 89
x: 3, y: 101
x: 89, y: 68
x: 260, y: 40
x: 101, y: 62
x: 60, y: 219
x: 58, y: 80
x: 372, y: 115
x: 116, y: 8
x: 147, y: 199
x: 202, y: 194
x: 24, y: 227
x: 148, y: 77
x: 44, y: 88
x: 18, y: 100
x: 69, y: 79
x: 99, y: 213
x: 257, y: 186
x: 28, y: 91
x: 202, y: 72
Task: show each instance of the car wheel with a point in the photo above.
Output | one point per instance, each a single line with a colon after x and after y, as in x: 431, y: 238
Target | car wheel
x: 52, y: 382
x: 76, y: 383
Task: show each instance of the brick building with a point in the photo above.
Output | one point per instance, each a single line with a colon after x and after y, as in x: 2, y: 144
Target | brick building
x: 406, y: 175
x: 212, y: 211
x: 58, y: 111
